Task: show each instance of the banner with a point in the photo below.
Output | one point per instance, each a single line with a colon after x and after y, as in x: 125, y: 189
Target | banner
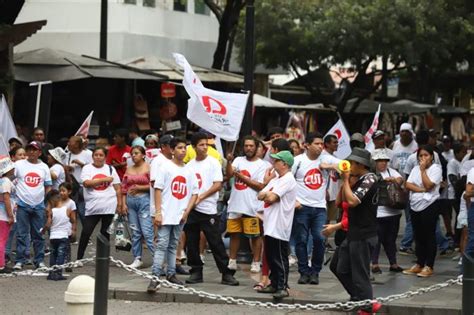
x: 369, y: 144
x: 344, y: 147
x: 7, y: 127
x: 220, y: 113
x: 84, y: 129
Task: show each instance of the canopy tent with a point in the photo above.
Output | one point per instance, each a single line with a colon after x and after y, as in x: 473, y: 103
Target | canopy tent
x: 262, y: 101
x: 400, y: 106
x: 57, y: 66
x: 169, y: 68
x: 444, y: 109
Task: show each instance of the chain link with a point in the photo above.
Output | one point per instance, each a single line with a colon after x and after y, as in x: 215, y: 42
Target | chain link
x: 39, y: 271
x: 342, y: 306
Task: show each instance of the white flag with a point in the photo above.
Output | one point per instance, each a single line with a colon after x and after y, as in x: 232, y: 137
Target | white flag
x: 344, y: 147
x: 369, y: 144
x: 7, y: 126
x: 220, y: 113
x: 84, y: 129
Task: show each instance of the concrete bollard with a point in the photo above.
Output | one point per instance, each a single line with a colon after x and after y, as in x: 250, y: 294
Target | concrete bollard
x: 79, y: 296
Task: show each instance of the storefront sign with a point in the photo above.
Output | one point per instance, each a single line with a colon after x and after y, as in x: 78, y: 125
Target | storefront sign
x: 173, y: 125
x: 168, y: 90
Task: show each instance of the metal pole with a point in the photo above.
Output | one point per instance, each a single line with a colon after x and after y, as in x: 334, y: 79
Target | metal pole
x: 38, y: 99
x: 246, y: 128
x: 103, y: 29
x: 468, y: 285
x: 101, y: 275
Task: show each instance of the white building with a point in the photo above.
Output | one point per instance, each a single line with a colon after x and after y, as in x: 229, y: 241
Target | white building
x: 135, y: 28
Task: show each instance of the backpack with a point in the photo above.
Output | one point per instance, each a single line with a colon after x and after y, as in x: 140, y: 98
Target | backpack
x: 391, y: 195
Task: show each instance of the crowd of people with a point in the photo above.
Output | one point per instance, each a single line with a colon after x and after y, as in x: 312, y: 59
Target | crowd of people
x: 287, y: 198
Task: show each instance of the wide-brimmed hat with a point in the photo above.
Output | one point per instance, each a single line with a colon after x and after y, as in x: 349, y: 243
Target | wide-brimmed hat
x: 58, y: 154
x: 284, y: 156
x: 380, y: 154
x: 6, y: 165
x: 361, y: 156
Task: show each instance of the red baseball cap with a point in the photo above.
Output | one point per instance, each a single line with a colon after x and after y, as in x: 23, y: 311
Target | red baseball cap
x: 34, y: 144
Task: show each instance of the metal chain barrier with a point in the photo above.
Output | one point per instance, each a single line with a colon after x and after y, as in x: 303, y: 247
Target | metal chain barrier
x: 33, y: 272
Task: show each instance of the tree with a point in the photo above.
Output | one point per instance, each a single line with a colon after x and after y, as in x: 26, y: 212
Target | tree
x: 228, y: 16
x: 420, y: 37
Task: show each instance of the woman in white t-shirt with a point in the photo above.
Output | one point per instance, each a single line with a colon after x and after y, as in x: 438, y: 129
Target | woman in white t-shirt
x: 388, y: 219
x: 102, y: 197
x: 423, y: 184
x: 56, y: 159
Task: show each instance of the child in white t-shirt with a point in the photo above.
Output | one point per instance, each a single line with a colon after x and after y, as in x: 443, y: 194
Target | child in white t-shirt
x: 65, y: 190
x: 7, y: 208
x: 59, y: 224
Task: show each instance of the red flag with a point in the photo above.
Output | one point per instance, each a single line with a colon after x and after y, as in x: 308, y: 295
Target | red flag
x: 84, y: 129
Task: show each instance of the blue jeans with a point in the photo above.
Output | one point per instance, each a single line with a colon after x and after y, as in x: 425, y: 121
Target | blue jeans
x: 29, y: 222
x: 168, y: 238
x: 441, y: 240
x: 469, y: 250
x: 407, y: 239
x: 139, y: 220
x: 309, y: 221
x: 59, y: 251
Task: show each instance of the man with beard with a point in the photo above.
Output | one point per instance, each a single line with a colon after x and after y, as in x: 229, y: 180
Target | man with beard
x: 248, y: 172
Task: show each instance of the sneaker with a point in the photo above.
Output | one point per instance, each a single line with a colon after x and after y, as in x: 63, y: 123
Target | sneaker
x: 255, y: 267
x: 5, y: 270
x: 406, y: 251
x: 174, y: 280
x: 314, y: 279
x: 232, y: 264
x: 79, y: 264
x: 376, y: 270
x: 304, y: 279
x: 181, y: 271
x: 18, y: 266
x: 280, y: 294
x: 28, y: 262
x: 375, y: 308
x: 415, y: 269
x: 446, y: 253
x: 396, y: 269
x: 40, y: 265
x: 292, y: 260
x: 203, y: 259
x: 47, y: 252
x: 153, y: 286
x: 426, y: 272
x: 456, y: 257
x: 137, y: 263
x: 229, y: 279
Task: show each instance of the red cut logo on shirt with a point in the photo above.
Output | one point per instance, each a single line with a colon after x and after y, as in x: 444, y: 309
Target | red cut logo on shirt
x: 266, y: 205
x: 313, y: 179
x: 240, y: 185
x: 102, y: 186
x: 199, y: 178
x: 32, y: 179
x: 178, y: 187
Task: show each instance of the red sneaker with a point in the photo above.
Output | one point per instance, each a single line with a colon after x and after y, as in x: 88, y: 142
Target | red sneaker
x: 376, y: 306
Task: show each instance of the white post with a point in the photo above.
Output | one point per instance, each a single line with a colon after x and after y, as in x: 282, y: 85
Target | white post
x: 38, y: 99
x: 80, y: 296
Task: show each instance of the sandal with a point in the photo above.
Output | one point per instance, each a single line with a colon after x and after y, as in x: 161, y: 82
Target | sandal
x: 258, y: 286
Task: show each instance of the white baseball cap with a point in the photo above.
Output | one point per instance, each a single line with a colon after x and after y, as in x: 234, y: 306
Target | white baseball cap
x: 406, y: 126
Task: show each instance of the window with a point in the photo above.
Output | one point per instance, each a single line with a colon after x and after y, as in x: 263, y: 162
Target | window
x: 180, y: 5
x: 200, y: 7
x: 149, y: 3
x: 130, y: 1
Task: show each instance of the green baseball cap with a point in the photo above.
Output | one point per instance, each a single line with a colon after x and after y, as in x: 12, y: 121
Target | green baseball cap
x: 285, y: 156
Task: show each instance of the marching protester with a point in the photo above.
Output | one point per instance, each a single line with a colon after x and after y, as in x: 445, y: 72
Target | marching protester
x: 279, y: 196
x: 454, y: 176
x: 331, y: 144
x: 55, y: 162
x: 17, y: 153
x: 204, y: 216
x: 34, y: 182
x: 176, y: 190
x: 102, y: 196
x: 136, y: 203
x: 403, y: 147
x: 65, y: 191
x: 116, y: 155
x: 469, y: 197
x: 40, y: 138
x: 7, y: 208
x: 423, y: 184
x: 248, y: 172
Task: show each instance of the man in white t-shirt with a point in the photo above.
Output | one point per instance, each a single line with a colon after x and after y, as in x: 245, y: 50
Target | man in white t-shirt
x: 334, y: 183
x: 248, y: 173
x: 34, y: 182
x: 469, y: 197
x: 204, y: 217
x: 310, y: 170
x: 279, y: 198
x: 164, y: 156
x: 403, y: 148
x: 175, y: 195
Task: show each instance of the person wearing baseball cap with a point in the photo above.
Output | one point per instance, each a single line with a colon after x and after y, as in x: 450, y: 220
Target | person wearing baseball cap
x: 357, y: 140
x: 402, y: 148
x: 34, y: 182
x: 279, y: 196
x: 378, y: 137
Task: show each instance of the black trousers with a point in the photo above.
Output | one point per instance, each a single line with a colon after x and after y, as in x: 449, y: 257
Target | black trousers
x: 352, y: 267
x: 89, y: 224
x: 387, y: 230
x: 455, y: 203
x: 424, y: 231
x: 209, y: 225
x: 277, y: 253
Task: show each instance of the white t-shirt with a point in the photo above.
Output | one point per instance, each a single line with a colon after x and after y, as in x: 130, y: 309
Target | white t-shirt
x: 6, y: 186
x: 421, y: 201
x: 85, y: 156
x: 401, y: 154
x: 101, y: 199
x: 155, y: 166
x: 454, y: 167
x: 177, y: 185
x: 71, y: 205
x: 61, y: 224
x: 448, y: 155
x: 243, y: 199
x: 58, y: 170
x: 470, y: 179
x: 334, y: 182
x: 311, y: 181
x: 150, y: 154
x: 462, y: 216
x: 207, y: 172
x: 413, y: 160
x: 466, y: 166
x: 31, y: 181
x: 278, y: 217
x: 383, y: 211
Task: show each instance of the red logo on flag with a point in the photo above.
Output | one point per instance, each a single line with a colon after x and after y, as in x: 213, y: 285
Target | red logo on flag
x: 240, y: 185
x: 102, y: 186
x: 338, y: 133
x: 313, y: 179
x: 178, y: 187
x: 32, y: 179
x: 213, y: 106
x: 199, y: 178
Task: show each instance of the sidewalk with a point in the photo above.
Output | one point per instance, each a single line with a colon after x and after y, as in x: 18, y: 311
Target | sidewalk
x: 127, y: 286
